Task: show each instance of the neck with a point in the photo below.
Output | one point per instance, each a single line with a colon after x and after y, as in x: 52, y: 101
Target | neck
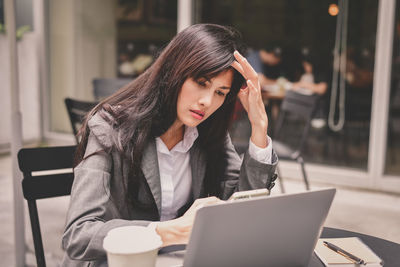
x: 173, y: 135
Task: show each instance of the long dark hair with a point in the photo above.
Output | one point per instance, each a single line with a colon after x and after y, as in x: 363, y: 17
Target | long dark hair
x: 147, y: 107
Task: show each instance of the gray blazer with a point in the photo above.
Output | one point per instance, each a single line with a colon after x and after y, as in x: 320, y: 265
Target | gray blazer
x: 92, y: 212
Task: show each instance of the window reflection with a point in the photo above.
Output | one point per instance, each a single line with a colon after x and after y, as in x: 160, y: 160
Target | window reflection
x: 305, y: 34
x: 143, y: 28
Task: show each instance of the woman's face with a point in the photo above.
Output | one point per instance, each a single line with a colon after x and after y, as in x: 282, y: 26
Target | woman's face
x: 198, y: 99
x: 307, y: 67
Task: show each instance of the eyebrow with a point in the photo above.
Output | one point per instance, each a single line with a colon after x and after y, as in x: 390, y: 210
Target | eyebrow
x: 221, y: 87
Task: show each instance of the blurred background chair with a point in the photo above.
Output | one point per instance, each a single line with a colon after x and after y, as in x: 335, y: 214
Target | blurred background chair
x: 292, y: 128
x: 44, y: 185
x: 103, y: 88
x: 77, y: 111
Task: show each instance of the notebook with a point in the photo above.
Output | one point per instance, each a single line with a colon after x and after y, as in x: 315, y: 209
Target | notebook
x: 353, y: 245
x: 266, y: 231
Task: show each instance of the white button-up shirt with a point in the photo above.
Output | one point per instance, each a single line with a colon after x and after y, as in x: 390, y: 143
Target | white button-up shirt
x: 176, y: 175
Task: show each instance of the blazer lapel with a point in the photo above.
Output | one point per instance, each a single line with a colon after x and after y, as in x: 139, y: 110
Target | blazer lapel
x: 198, y: 165
x: 151, y: 172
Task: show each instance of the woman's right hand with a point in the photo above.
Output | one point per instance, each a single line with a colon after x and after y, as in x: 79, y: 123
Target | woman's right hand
x: 178, y: 231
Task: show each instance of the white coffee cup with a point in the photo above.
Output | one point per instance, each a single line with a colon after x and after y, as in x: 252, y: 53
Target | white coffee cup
x: 132, y: 246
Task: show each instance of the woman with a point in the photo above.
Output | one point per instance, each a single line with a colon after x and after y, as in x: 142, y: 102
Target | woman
x: 160, y: 145
x: 309, y: 76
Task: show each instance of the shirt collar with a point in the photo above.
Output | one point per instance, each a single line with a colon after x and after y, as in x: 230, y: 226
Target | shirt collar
x: 189, y: 137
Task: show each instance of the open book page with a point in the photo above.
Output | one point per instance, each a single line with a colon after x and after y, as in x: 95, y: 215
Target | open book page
x: 354, y: 245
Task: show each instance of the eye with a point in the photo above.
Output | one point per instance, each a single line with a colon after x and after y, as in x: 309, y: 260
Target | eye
x: 202, y: 83
x: 220, y: 93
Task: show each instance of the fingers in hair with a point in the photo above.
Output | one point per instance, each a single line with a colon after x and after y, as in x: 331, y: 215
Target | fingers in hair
x: 249, y: 72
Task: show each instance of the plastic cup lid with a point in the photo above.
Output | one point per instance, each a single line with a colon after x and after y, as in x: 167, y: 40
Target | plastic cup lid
x: 131, y: 239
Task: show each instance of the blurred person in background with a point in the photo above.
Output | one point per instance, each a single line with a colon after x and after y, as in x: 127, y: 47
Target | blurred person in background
x: 267, y: 63
x: 311, y: 76
x: 308, y: 74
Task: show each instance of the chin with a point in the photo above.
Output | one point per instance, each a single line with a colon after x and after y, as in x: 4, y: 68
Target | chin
x: 191, y: 122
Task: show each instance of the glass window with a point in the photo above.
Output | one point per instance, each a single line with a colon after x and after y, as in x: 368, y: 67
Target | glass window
x: 393, y: 142
x: 300, y: 35
x: 143, y: 27
x: 107, y: 41
x: 2, y: 16
x: 24, y: 17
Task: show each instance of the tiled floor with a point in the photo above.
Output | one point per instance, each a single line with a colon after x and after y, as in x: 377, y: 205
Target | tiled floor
x: 375, y: 214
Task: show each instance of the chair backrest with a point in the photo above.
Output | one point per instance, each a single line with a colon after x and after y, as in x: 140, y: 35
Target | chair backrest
x: 54, y: 179
x: 301, y: 107
x: 103, y: 88
x: 77, y: 111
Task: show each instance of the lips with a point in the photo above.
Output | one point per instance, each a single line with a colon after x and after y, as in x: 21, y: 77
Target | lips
x: 198, y: 114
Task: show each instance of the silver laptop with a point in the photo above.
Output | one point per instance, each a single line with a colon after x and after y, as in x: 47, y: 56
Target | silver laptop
x: 267, y: 231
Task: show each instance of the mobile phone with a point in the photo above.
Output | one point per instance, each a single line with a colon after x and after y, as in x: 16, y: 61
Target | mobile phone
x: 250, y: 194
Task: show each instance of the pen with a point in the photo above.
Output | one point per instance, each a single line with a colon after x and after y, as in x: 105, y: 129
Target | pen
x: 344, y: 253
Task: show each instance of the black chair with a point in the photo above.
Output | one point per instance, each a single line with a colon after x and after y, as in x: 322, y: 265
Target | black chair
x: 103, y: 88
x: 77, y: 111
x: 292, y: 128
x: 44, y: 185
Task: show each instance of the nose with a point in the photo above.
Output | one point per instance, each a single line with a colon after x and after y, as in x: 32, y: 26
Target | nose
x: 206, y: 98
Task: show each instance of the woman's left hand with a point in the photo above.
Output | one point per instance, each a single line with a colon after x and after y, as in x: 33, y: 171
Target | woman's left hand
x: 251, y: 99
x: 177, y: 231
